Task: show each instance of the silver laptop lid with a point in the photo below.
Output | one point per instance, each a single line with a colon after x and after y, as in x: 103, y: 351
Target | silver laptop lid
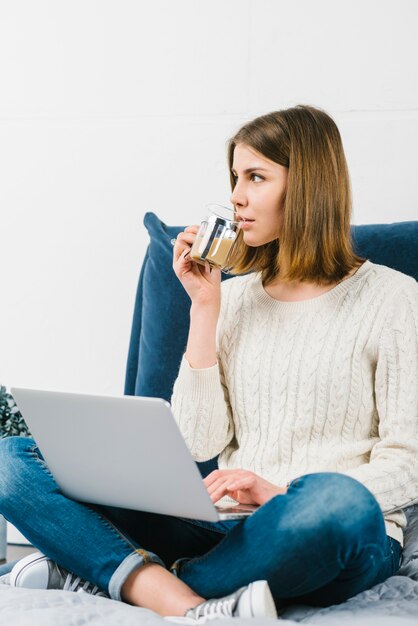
x: 121, y: 451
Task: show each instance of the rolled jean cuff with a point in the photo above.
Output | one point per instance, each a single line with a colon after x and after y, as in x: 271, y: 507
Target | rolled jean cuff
x: 177, y: 565
x: 132, y: 562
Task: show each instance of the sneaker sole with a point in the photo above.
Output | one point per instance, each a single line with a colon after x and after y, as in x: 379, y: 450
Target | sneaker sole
x: 19, y: 570
x: 260, y: 600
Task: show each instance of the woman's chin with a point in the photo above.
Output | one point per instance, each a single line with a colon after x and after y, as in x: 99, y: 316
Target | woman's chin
x: 251, y: 240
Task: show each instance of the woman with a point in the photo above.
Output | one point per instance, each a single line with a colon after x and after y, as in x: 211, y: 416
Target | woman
x: 300, y: 373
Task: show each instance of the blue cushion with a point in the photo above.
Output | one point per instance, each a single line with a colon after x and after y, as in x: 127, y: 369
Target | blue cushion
x: 160, y: 323
x: 161, y: 315
x: 394, y: 245
x: 161, y: 318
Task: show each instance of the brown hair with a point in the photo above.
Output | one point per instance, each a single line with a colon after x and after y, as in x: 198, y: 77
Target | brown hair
x: 315, y: 243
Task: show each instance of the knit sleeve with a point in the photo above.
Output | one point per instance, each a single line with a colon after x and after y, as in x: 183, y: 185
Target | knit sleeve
x: 201, y: 405
x: 392, y: 471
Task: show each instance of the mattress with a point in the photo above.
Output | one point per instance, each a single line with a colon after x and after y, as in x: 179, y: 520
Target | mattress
x: 392, y: 603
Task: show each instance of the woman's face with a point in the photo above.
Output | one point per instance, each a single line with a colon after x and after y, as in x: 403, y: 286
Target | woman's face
x: 258, y: 195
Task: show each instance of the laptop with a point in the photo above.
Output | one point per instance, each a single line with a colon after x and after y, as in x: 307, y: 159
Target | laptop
x: 120, y: 451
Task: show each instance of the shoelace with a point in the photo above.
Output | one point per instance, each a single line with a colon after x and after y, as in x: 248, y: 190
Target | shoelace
x: 218, y: 608
x: 74, y: 583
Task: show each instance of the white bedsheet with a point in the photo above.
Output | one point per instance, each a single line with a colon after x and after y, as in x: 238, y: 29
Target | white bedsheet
x: 392, y: 603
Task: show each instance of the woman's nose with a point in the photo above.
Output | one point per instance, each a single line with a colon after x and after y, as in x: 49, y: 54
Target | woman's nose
x: 238, y: 196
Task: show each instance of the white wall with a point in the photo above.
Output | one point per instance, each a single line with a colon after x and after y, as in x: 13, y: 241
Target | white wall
x: 109, y: 109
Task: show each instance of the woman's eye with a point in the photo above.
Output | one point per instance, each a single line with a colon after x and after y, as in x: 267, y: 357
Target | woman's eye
x: 256, y: 178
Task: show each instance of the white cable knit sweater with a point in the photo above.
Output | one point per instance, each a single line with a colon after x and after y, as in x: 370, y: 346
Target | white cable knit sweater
x: 325, y: 384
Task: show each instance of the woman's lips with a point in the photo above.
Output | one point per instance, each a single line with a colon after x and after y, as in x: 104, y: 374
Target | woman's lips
x: 241, y: 218
x: 246, y: 224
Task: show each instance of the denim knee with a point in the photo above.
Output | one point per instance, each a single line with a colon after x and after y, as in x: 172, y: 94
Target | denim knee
x: 13, y: 451
x: 345, y: 505
x: 325, y: 506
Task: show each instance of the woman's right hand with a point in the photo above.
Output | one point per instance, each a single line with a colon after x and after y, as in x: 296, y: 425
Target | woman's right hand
x: 202, y: 283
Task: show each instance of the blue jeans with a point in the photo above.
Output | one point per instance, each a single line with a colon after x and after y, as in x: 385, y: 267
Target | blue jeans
x: 320, y: 544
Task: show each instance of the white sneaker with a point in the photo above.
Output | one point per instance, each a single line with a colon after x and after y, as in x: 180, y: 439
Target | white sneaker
x: 255, y: 600
x: 36, y: 571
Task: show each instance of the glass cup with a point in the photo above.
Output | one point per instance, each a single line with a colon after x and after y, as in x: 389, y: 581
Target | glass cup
x: 216, y: 237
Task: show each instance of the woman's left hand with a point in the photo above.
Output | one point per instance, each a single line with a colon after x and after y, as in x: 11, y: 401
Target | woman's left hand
x: 243, y: 486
